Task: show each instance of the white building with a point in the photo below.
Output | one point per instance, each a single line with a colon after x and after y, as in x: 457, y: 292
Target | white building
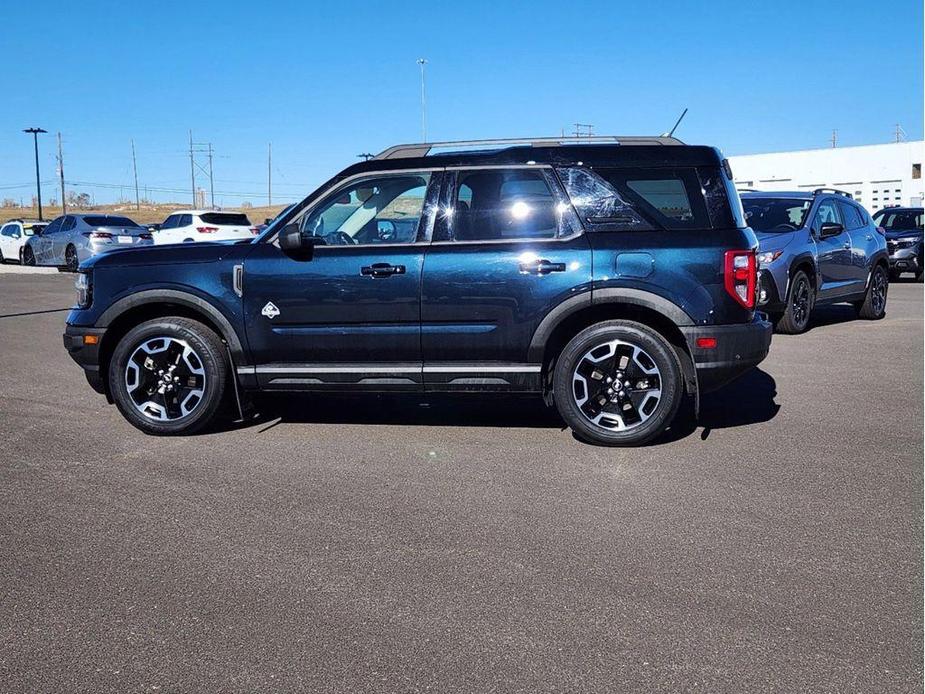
x: 877, y: 176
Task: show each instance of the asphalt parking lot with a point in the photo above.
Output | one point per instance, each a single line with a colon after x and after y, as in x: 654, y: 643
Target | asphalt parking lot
x: 402, y: 544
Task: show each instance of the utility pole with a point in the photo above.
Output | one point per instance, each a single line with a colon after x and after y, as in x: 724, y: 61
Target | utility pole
x: 422, y: 62
x: 135, y: 171
x: 269, y: 174
x: 211, y: 183
x: 192, y: 168
x: 900, y: 133
x: 834, y: 139
x: 61, y: 173
x: 38, y: 181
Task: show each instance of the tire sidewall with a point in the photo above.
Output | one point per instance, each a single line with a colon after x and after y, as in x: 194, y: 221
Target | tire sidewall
x: 204, y: 342
x: 658, y: 349
x: 800, y: 277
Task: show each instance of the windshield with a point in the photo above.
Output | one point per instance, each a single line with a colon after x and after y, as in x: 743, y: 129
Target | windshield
x: 900, y: 220
x: 108, y: 221
x: 775, y: 215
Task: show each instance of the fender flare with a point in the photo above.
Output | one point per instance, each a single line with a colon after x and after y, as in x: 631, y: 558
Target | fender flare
x: 183, y: 298
x: 807, y: 257
x: 608, y: 295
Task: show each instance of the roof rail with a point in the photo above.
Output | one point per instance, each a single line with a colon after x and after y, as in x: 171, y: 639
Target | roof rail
x: 422, y: 149
x: 834, y: 191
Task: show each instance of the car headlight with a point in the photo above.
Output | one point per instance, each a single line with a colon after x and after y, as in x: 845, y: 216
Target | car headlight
x: 84, y: 290
x: 768, y: 257
x: 909, y: 240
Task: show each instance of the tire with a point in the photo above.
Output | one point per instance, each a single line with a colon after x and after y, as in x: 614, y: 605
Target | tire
x: 71, y: 262
x: 874, y: 305
x: 618, y: 350
x: 28, y: 256
x: 157, y: 404
x: 799, y: 305
x: 2, y: 259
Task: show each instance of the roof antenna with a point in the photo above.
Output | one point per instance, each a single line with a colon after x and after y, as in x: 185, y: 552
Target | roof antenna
x: 670, y: 133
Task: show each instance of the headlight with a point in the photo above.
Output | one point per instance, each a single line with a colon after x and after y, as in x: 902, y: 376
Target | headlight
x: 909, y: 240
x: 84, y: 290
x: 768, y: 257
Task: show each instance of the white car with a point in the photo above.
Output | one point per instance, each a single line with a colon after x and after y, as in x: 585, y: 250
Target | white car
x: 187, y: 226
x: 13, y: 236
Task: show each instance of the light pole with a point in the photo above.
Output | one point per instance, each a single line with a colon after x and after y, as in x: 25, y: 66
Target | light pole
x: 422, y: 62
x: 38, y: 181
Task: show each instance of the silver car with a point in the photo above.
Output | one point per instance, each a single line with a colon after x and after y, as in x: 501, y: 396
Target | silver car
x: 70, y: 239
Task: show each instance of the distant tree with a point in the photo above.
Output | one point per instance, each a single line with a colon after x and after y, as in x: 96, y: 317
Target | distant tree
x: 246, y: 205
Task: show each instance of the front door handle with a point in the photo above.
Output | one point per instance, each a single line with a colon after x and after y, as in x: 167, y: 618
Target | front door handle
x: 541, y: 266
x: 382, y: 270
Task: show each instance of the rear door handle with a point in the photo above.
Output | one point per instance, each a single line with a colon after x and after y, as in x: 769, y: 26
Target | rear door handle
x: 382, y: 270
x: 541, y: 266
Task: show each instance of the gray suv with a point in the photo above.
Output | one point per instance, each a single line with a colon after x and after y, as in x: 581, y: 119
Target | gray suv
x: 816, y: 247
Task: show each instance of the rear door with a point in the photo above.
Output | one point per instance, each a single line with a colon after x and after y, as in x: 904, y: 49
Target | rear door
x: 507, y: 249
x: 42, y: 246
x: 833, y: 253
x: 863, y: 243
x: 350, y: 315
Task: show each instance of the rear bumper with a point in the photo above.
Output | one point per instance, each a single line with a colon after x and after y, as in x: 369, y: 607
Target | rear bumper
x: 738, y: 348
x: 86, y: 355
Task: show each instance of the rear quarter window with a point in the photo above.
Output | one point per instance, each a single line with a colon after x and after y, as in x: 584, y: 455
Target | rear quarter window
x: 637, y: 199
x: 226, y: 218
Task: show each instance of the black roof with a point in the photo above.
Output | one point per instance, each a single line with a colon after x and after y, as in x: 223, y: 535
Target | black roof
x: 589, y: 155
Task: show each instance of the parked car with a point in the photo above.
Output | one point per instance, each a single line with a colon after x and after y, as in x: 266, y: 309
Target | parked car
x: 13, y: 237
x: 73, y: 238
x: 903, y: 228
x: 612, y: 279
x: 815, y: 248
x: 187, y: 226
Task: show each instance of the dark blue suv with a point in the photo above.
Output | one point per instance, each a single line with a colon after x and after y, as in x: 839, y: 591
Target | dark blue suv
x: 613, y: 277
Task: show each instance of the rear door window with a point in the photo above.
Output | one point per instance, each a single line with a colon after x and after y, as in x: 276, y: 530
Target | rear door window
x: 507, y: 205
x: 851, y: 216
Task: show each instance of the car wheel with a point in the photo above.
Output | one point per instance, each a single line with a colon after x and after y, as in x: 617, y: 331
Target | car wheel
x: 71, y: 262
x: 799, y: 305
x: 28, y: 256
x: 618, y: 383
x: 874, y: 305
x: 167, y: 376
x: 189, y: 240
x: 2, y: 259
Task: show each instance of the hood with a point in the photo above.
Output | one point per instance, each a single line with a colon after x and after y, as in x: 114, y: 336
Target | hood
x: 774, y: 241
x: 903, y: 233
x: 201, y: 252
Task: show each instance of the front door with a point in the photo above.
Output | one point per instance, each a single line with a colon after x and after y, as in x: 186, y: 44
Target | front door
x: 833, y: 253
x: 507, y: 249
x: 349, y: 315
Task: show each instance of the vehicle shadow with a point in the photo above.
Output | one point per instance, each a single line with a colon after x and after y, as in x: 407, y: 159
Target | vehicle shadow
x: 748, y: 400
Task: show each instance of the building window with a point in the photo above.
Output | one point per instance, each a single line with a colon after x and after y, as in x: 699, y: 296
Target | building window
x: 916, y: 171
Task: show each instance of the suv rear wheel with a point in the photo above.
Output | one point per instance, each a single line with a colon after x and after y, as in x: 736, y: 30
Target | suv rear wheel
x: 167, y: 376
x: 799, y: 305
x: 874, y: 305
x: 618, y: 383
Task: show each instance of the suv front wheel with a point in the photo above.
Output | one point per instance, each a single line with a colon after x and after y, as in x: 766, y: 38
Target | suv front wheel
x: 167, y: 375
x: 618, y: 383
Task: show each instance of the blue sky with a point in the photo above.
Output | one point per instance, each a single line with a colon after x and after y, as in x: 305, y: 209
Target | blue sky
x: 324, y: 82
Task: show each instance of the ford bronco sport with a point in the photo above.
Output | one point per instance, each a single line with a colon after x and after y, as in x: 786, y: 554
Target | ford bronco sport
x: 612, y: 277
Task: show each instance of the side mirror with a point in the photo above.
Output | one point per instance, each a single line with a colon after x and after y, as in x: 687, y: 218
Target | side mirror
x: 830, y: 229
x: 296, y: 244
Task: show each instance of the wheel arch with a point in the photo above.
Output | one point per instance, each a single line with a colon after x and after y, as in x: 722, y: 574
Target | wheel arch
x: 807, y: 263
x: 579, y: 312
x: 135, y: 309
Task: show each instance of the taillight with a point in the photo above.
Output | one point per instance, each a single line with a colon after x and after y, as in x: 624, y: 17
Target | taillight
x: 97, y: 234
x: 206, y: 230
x: 740, y: 276
x: 881, y: 231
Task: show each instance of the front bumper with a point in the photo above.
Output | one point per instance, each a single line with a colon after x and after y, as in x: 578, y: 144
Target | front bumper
x: 906, y: 260
x: 86, y: 352
x: 769, y: 295
x: 738, y: 348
